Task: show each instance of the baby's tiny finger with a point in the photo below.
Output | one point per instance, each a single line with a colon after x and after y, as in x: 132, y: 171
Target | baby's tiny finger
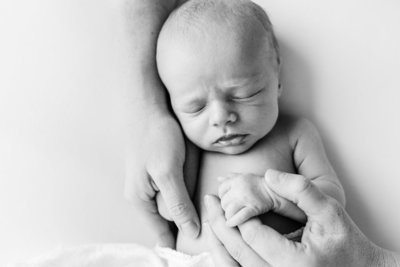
x: 241, y: 216
x: 223, y: 188
x: 232, y: 209
x: 226, y: 200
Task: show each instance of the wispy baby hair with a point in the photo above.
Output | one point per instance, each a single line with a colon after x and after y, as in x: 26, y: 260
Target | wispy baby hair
x: 198, y: 17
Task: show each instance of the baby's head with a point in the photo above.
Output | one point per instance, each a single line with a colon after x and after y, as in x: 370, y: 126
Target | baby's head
x: 220, y: 63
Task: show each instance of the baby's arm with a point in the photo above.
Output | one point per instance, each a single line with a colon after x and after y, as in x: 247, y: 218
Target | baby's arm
x: 244, y: 196
x: 310, y: 158
x: 190, y: 173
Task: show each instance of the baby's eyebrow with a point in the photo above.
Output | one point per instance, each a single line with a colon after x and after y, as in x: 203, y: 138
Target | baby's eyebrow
x: 242, y: 82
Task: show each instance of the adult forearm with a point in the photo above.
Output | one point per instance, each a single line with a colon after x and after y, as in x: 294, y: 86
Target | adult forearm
x: 143, y: 21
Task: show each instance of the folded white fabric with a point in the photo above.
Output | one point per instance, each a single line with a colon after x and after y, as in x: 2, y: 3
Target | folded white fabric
x: 175, y: 258
x: 117, y: 255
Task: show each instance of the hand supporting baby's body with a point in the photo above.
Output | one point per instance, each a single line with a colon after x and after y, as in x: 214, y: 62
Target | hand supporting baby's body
x: 293, y: 146
x: 244, y: 196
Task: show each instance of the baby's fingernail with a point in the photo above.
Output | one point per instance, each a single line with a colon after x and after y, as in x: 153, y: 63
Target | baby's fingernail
x: 190, y: 229
x: 272, y: 176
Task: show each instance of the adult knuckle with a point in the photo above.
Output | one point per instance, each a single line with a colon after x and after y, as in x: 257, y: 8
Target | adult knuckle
x: 179, y: 210
x: 302, y: 184
x: 336, y: 215
x: 236, y: 252
x: 317, y: 229
x: 166, y: 182
x: 333, y: 208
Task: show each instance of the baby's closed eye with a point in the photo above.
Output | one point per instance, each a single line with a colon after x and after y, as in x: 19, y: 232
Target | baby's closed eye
x: 246, y: 96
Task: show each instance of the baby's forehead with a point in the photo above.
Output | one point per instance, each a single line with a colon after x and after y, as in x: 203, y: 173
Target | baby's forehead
x: 220, y: 19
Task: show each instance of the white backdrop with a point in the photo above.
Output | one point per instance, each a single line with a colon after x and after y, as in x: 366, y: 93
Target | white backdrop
x: 63, y: 84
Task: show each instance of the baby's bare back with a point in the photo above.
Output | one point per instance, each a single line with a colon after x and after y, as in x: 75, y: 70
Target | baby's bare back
x: 272, y: 152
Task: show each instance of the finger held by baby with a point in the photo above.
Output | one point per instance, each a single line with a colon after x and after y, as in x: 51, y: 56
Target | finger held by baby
x: 244, y: 196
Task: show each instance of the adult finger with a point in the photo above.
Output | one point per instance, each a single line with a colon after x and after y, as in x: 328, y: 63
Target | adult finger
x: 219, y: 254
x: 142, y: 195
x: 160, y: 226
x: 270, y: 245
x: 298, y: 189
x: 241, y: 216
x: 178, y: 202
x: 230, y: 237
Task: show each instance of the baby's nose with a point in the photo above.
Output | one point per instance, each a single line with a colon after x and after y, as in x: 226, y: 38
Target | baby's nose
x: 222, y: 114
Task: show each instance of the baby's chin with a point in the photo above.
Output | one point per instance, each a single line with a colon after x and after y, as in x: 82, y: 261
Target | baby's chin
x: 235, y: 150
x: 229, y: 150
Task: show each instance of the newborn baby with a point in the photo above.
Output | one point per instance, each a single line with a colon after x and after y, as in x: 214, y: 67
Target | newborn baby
x: 219, y: 61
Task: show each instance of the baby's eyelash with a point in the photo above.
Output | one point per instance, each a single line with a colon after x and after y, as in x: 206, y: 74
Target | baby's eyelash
x: 195, y: 110
x: 247, y: 97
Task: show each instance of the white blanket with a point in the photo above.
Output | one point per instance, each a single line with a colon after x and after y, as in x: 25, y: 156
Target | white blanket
x: 117, y: 255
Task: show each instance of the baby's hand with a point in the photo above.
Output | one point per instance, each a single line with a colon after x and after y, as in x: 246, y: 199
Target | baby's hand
x: 243, y: 196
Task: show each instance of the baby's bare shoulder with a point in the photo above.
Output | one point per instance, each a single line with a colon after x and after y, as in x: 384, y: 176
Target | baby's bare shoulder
x: 296, y: 127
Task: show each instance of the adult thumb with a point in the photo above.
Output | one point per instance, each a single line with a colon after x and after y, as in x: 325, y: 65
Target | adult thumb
x: 297, y: 189
x: 178, y: 203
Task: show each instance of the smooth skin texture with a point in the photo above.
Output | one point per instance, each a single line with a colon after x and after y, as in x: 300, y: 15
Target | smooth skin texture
x: 156, y: 164
x: 281, y: 149
x: 244, y: 196
x: 221, y: 87
x: 330, y: 237
x: 224, y: 88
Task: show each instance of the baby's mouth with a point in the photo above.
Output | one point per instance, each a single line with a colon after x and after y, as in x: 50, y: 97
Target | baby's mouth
x: 231, y: 140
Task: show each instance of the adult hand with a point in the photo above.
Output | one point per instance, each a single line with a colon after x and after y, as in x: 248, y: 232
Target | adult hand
x: 157, y: 165
x: 330, y: 237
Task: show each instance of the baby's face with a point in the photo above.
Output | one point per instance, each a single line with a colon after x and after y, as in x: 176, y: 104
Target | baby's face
x: 225, y: 96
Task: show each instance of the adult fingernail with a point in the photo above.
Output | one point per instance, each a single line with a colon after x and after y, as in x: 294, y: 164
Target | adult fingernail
x: 190, y: 229
x: 272, y: 176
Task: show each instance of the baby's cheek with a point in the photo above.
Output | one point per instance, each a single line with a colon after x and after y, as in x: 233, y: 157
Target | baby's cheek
x: 196, y: 131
